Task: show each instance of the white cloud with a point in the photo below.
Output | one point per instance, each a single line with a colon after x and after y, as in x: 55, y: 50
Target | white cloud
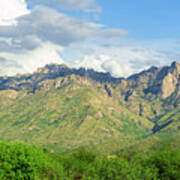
x: 105, y: 63
x: 117, y: 69
x: 91, y: 62
x: 45, y: 24
x: 11, y: 9
x: 122, y: 62
x: 28, y: 62
x: 6, y: 66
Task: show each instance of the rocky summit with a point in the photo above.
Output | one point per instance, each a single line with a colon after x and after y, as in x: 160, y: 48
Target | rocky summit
x: 62, y: 106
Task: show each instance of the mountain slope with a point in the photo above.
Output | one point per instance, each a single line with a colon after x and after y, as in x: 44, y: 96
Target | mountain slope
x: 72, y: 115
x: 58, y: 105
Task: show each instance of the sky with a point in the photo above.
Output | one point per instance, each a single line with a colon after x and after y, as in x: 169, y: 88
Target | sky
x: 120, y: 37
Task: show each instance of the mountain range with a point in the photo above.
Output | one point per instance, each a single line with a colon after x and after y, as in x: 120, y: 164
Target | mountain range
x: 64, y: 107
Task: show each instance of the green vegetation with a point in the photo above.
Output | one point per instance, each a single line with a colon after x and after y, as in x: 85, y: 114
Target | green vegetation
x: 19, y: 161
x: 71, y: 116
x: 63, y: 108
x: 129, y: 127
x: 24, y: 162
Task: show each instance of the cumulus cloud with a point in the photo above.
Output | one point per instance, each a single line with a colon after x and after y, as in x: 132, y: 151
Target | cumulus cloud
x: 7, y: 66
x: 17, y: 45
x: 91, y: 62
x: 9, y: 10
x: 124, y: 61
x: 117, y: 69
x: 45, y: 24
x: 28, y: 62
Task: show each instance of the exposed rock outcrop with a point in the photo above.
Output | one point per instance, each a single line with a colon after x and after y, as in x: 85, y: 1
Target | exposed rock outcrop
x: 138, y: 92
x: 169, y: 84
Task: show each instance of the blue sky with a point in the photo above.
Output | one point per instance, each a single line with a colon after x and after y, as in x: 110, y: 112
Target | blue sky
x: 143, y: 19
x: 120, y: 37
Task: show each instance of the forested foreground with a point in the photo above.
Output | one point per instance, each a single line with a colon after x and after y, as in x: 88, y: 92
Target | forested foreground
x: 25, y: 162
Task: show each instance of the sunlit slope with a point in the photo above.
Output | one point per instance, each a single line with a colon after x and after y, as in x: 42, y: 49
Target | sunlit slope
x: 73, y: 115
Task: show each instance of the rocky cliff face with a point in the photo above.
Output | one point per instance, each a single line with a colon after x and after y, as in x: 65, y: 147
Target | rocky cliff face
x: 154, y: 92
x: 147, y: 93
x: 168, y: 85
x: 161, y: 82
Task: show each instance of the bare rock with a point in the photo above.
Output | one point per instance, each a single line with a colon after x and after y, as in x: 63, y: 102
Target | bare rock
x: 168, y: 85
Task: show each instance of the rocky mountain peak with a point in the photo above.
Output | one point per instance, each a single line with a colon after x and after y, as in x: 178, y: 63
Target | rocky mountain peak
x: 53, y: 68
x: 152, y: 69
x: 170, y: 79
x: 175, y: 68
x: 175, y: 64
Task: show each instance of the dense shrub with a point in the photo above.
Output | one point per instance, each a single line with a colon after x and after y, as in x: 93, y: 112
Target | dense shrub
x: 76, y: 164
x: 18, y: 161
x: 168, y: 164
x: 120, y: 168
x: 23, y: 162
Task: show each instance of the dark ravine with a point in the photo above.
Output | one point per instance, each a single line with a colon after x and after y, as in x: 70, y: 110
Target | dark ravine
x: 157, y: 127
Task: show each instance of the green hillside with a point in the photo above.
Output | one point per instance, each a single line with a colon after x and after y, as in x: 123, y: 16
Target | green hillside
x: 65, y: 108
x: 70, y: 116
